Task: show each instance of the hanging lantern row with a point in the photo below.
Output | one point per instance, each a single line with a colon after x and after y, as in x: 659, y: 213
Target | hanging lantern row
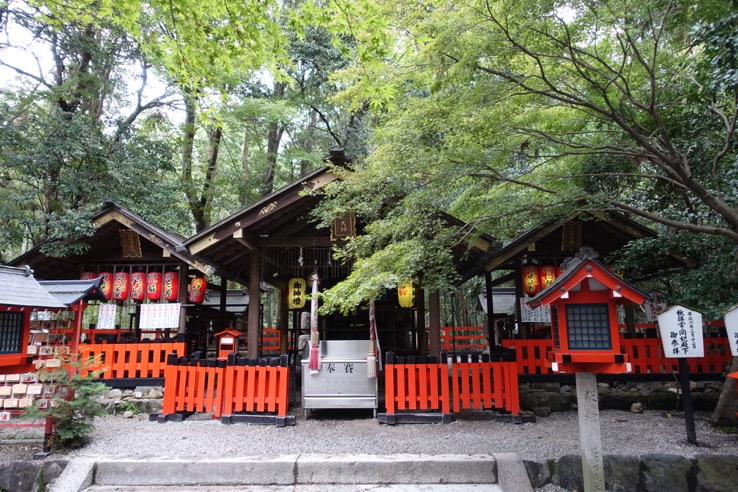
x: 121, y: 286
x: 536, y: 278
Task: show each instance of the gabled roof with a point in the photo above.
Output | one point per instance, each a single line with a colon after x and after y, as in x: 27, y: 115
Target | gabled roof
x: 280, y: 226
x: 105, y: 246
x: 277, y: 220
x: 19, y: 288
x: 71, y: 291
x: 604, y: 231
x: 587, y: 268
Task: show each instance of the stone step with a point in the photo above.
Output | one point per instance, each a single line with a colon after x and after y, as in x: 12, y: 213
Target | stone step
x: 298, y: 473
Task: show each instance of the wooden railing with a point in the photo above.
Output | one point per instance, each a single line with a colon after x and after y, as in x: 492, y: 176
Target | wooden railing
x: 226, y: 387
x: 421, y: 384
x: 646, y: 356
x: 416, y: 383
x: 488, y: 382
x: 463, y: 339
x: 132, y: 360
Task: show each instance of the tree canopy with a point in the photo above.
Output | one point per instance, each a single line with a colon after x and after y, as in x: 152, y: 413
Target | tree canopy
x: 506, y: 113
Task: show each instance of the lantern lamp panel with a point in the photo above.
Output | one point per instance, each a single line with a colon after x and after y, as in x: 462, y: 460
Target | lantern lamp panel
x: 588, y: 327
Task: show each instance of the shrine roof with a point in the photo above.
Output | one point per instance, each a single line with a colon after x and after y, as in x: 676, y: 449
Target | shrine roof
x: 586, y: 267
x: 21, y: 289
x: 108, y: 246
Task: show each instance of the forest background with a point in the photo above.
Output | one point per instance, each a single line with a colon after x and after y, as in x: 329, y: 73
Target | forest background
x: 502, y: 113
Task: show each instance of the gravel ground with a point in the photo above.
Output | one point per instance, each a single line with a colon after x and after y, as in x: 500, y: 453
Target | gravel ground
x: 354, y: 431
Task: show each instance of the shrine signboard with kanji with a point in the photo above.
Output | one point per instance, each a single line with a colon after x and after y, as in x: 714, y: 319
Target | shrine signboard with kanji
x: 731, y: 327
x: 681, y: 333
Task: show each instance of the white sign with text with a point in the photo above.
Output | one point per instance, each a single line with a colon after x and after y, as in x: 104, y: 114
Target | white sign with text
x: 681, y: 333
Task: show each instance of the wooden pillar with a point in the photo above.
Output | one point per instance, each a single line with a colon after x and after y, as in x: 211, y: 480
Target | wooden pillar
x: 254, y: 303
x: 494, y: 333
x: 630, y: 319
x: 434, y: 323
x: 522, y: 327
x: 184, y: 281
x: 223, y: 302
x: 283, y: 320
x: 420, y: 322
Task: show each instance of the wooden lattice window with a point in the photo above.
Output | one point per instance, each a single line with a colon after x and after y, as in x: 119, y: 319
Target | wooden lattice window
x: 11, y: 332
x: 588, y: 327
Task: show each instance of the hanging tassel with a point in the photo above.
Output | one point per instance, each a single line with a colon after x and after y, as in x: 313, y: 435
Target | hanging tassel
x: 314, y: 361
x: 371, y: 358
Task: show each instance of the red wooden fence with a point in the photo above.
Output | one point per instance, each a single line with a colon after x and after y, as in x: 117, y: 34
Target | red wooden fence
x: 646, y: 356
x: 132, y: 360
x: 486, y: 384
x: 463, y: 339
x: 421, y: 384
x: 226, y: 387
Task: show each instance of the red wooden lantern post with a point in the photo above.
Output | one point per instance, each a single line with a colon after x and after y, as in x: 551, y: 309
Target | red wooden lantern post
x: 586, y: 340
x: 198, y: 286
x: 586, y: 334
x: 138, y: 286
x: 153, y: 286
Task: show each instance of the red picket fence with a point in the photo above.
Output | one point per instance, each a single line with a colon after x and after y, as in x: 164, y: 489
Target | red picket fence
x: 421, y: 384
x: 463, y: 339
x: 226, y: 387
x: 486, y: 384
x: 530, y: 355
x: 131, y: 360
x: 418, y: 386
x: 646, y: 356
x: 270, y: 341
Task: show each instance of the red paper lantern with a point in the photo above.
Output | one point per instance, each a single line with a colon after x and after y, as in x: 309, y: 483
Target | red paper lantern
x: 547, y: 275
x: 106, y: 286
x: 120, y: 286
x: 531, y: 281
x: 153, y: 286
x: 88, y: 275
x: 171, y: 286
x: 559, y: 270
x: 198, y: 285
x: 138, y: 286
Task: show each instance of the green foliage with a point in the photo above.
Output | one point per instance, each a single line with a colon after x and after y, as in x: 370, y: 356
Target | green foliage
x: 73, y: 416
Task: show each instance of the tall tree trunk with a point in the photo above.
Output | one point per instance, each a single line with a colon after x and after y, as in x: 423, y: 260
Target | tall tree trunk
x: 203, y: 214
x: 243, y: 190
x: 307, y: 144
x: 727, y: 405
x: 274, y: 137
x: 188, y: 145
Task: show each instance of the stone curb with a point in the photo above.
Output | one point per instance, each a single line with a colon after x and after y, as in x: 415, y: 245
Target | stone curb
x: 505, y: 469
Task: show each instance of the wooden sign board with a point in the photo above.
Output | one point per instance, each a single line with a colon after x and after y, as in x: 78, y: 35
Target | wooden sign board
x: 731, y: 326
x: 681, y: 333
